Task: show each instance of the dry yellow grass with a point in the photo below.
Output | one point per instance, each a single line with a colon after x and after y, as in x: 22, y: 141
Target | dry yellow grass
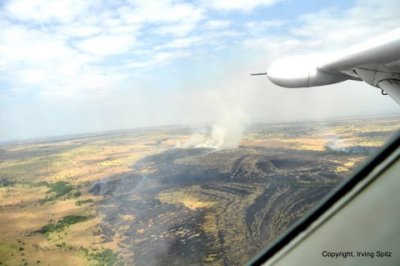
x: 80, y: 234
x: 22, y: 212
x: 18, y: 221
x: 19, y: 241
x: 309, y: 144
x: 21, y: 195
x: 188, y: 198
x: 36, y: 251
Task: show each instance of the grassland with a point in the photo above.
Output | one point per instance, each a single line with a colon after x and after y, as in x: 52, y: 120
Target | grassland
x: 45, y: 203
x: 50, y: 215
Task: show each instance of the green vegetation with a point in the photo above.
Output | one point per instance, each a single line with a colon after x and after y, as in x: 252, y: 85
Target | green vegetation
x: 61, y: 189
x: 81, y: 202
x: 6, y: 250
x: 106, y: 257
x: 61, y: 224
x: 6, y: 182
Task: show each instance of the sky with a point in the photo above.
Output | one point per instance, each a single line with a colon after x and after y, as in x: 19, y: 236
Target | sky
x: 76, y: 66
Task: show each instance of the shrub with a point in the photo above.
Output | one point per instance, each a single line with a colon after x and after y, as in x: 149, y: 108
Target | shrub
x: 61, y: 224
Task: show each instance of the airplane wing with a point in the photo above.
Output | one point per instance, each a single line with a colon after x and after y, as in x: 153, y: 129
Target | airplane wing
x: 376, y: 62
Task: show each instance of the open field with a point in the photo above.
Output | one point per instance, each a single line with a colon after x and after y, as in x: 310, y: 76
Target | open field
x: 135, y: 198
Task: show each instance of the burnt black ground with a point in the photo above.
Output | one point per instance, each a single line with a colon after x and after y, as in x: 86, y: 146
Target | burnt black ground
x: 169, y: 234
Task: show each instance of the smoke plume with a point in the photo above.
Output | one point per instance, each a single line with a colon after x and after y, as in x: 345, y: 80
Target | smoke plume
x: 218, y: 116
x: 226, y: 133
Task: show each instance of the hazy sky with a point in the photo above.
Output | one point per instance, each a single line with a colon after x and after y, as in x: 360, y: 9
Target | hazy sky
x: 77, y: 66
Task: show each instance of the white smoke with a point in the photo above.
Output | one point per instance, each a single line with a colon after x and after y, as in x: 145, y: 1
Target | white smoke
x: 335, y: 144
x: 225, y: 110
x: 226, y: 133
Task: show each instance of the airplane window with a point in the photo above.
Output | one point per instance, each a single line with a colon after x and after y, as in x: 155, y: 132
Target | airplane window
x: 132, y: 133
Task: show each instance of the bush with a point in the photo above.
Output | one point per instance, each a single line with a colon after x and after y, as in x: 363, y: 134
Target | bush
x: 61, y: 224
x: 81, y: 202
x: 107, y: 257
x: 60, y: 188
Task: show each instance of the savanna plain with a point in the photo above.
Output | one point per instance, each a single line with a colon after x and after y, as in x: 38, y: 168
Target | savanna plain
x: 147, y: 197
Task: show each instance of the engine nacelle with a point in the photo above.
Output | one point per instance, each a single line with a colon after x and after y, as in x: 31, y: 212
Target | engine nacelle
x: 300, y: 72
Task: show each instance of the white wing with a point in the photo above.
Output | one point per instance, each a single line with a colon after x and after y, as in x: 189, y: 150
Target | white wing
x: 376, y: 62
